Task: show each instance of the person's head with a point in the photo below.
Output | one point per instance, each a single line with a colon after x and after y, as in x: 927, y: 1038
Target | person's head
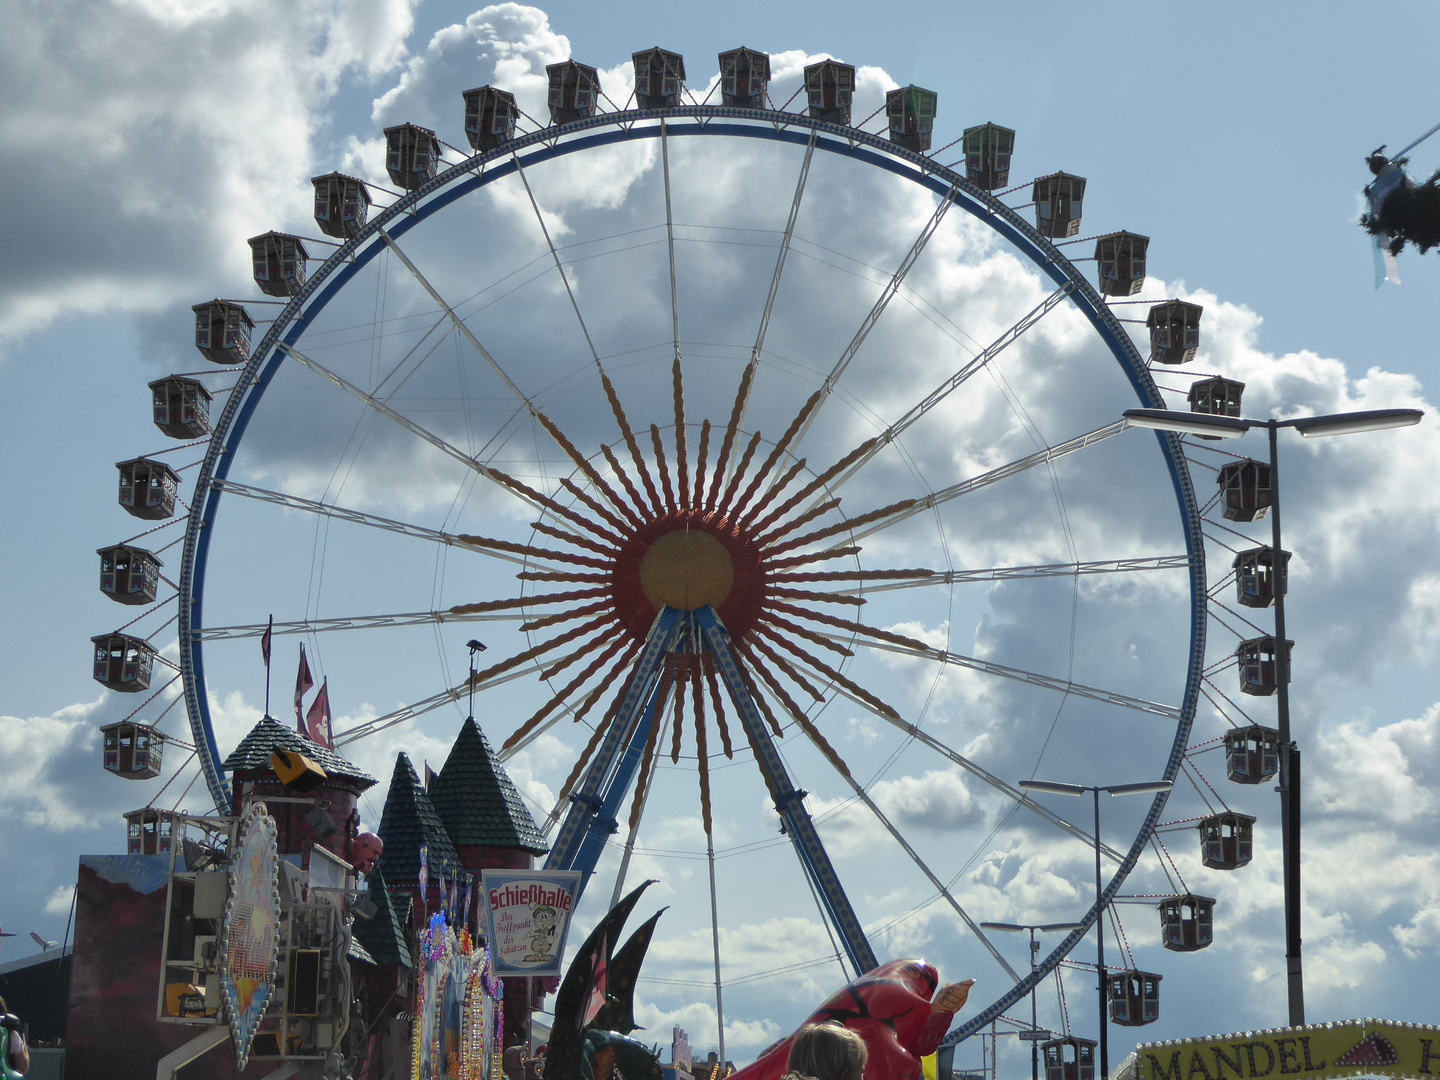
x: 828, y: 1052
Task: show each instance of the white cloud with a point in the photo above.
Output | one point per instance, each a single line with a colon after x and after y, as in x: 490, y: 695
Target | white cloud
x: 60, y: 900
x: 39, y: 795
x: 192, y: 128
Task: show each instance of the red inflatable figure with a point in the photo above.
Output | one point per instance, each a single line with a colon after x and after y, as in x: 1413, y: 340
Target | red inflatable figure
x: 891, y: 1009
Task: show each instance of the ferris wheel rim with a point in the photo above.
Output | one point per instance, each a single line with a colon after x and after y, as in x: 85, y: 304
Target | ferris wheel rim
x: 608, y: 129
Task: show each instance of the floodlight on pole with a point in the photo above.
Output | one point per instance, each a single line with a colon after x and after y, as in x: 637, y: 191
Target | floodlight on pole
x: 1043, y: 928
x: 1229, y: 427
x: 1052, y: 787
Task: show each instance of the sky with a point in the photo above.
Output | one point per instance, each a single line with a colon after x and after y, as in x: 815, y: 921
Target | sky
x: 172, y: 132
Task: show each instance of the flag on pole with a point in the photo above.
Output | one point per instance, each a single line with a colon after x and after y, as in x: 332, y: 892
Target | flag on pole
x: 465, y: 904
x: 424, y: 878
x: 303, y: 682
x: 443, y: 906
x: 265, y: 640
x: 318, y: 718
x: 429, y: 776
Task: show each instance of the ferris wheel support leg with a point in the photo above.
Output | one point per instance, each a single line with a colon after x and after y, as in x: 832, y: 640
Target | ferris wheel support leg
x: 595, y: 801
x: 789, y: 801
x: 605, y: 822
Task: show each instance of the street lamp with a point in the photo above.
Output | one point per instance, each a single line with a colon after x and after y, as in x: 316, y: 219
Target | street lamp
x: 1232, y: 427
x: 1044, y: 928
x: 1075, y: 790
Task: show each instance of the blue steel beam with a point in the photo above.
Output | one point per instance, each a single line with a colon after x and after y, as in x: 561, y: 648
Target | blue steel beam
x: 587, y: 801
x: 789, y: 801
x: 606, y: 822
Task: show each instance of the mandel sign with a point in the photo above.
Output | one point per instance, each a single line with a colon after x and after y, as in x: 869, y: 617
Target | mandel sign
x: 1343, y: 1049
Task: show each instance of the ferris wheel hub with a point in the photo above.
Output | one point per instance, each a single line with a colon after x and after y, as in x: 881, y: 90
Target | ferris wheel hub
x: 687, y: 559
x: 687, y: 569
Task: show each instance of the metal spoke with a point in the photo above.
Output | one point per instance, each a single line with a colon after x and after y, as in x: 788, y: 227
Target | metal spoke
x: 670, y: 238
x: 555, y: 255
x: 976, y: 770
x: 1004, y: 472
x: 742, y: 404
x: 891, y: 288
x: 456, y: 321
x: 863, y: 796
x: 1050, y: 682
x: 357, y: 622
x: 1019, y: 573
x: 375, y: 521
x: 430, y: 704
x: 411, y: 426
x: 941, y: 392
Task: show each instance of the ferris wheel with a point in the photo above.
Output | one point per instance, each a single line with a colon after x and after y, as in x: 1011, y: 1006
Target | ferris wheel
x: 787, y: 465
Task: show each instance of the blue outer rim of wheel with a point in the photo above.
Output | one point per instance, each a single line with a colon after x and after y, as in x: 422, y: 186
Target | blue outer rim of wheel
x: 613, y: 128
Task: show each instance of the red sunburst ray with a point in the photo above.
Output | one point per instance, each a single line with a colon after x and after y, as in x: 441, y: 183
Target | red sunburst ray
x: 739, y: 474
x: 814, y: 556
x: 679, y: 717
x: 701, y: 752
x: 560, y: 575
x: 712, y: 679
x: 829, y: 672
x: 567, y: 616
x: 856, y: 575
x: 662, y: 468
x: 527, y: 601
x: 775, y: 489
x: 682, y: 468
x: 559, y: 698
x: 843, y: 526
x: 700, y: 457
x: 817, y: 597
x: 628, y: 434
x: 777, y: 451
x: 814, y: 485
x: 760, y: 645
x: 595, y: 505
x: 794, y: 523
x: 531, y: 550
x: 742, y: 395
x: 647, y: 766
x: 570, y: 538
x: 538, y: 650
x: 806, y: 633
x: 635, y: 513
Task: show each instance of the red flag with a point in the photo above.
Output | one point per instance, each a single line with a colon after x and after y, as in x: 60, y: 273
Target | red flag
x: 429, y: 776
x: 265, y: 640
x: 303, y: 682
x: 597, y: 983
x: 318, y: 718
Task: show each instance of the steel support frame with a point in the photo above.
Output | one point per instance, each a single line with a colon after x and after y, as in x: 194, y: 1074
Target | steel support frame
x: 789, y: 800
x: 594, y: 804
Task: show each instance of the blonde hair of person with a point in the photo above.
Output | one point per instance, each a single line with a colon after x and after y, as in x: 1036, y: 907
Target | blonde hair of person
x: 828, y: 1052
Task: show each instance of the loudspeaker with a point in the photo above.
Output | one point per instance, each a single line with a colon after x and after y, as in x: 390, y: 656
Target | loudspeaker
x: 303, y: 986
x: 296, y: 771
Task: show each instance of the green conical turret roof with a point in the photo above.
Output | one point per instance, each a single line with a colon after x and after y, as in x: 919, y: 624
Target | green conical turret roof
x: 410, y: 820
x: 383, y: 935
x: 270, y: 735
x: 478, y: 802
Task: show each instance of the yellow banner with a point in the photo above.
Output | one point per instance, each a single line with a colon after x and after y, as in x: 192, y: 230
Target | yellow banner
x: 1347, y: 1048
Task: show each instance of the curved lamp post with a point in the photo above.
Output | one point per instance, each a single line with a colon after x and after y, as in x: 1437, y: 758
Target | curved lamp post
x: 1232, y: 427
x: 1044, y: 928
x: 1075, y: 790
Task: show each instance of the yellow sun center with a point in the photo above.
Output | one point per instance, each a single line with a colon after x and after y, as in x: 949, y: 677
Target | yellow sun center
x: 686, y: 569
